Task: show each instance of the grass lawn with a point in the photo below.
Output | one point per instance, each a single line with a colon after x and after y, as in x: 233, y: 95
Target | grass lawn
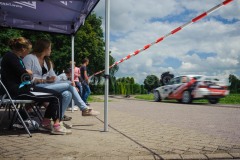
x: 93, y: 98
x: 230, y: 99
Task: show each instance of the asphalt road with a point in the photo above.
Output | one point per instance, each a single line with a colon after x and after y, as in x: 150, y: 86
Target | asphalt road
x: 216, y: 120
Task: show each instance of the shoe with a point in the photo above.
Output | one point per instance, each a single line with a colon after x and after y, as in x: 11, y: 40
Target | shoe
x: 90, y: 112
x: 67, y: 126
x: 66, y: 118
x: 46, y: 128
x: 87, y: 104
x: 75, y: 108
x: 60, y: 130
x: 46, y: 125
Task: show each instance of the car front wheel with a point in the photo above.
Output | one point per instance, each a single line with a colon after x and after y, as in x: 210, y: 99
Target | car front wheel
x: 186, y: 97
x: 157, y: 97
x: 213, y: 100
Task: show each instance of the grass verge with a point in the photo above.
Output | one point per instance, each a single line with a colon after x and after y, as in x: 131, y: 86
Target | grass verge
x: 92, y: 98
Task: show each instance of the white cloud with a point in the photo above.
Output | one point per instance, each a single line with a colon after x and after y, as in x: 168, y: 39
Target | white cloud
x: 131, y: 24
x: 229, y: 12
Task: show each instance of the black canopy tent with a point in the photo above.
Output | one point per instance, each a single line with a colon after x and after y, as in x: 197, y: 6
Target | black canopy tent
x: 64, y: 17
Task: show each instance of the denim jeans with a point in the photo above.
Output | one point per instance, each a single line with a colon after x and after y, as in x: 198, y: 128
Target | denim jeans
x: 66, y: 86
x: 79, y: 86
x: 66, y: 95
x: 86, y: 91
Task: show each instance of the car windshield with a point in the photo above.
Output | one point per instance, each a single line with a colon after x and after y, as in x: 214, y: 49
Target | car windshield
x: 197, y: 77
x: 171, y: 81
x: 176, y: 80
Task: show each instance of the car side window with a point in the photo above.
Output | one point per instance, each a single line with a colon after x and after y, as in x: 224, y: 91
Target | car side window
x: 198, y: 77
x: 171, y: 81
x: 177, y: 80
x: 184, y: 79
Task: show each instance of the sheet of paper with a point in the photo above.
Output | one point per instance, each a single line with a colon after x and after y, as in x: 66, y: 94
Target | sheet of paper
x: 40, y: 93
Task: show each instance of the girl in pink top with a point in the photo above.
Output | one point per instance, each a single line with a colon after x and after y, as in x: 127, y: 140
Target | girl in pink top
x: 76, y: 78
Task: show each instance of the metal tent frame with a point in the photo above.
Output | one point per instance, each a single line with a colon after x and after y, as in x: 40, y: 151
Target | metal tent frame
x: 64, y: 17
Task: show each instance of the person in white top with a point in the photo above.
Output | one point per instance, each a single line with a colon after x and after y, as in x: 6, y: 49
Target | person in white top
x: 44, y: 76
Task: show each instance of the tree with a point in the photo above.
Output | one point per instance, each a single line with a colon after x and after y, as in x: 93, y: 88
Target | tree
x: 151, y: 82
x: 165, y: 78
x: 132, y: 80
x: 235, y: 84
x: 89, y: 43
x: 5, y: 35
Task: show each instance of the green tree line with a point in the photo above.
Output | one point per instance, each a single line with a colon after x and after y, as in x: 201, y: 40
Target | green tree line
x: 120, y: 86
x: 234, y: 84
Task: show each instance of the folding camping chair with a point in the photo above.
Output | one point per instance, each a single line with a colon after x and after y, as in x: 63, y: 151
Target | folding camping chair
x: 14, y: 105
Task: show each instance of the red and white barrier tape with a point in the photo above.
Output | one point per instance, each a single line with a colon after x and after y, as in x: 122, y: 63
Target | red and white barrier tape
x: 169, y: 34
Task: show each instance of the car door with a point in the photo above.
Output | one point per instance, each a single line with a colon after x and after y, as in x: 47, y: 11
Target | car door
x: 165, y: 90
x: 176, y: 84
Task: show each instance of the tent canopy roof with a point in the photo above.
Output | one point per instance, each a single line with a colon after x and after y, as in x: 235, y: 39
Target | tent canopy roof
x: 46, y: 15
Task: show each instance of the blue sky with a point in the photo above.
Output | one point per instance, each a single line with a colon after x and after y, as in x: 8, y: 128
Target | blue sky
x: 209, y: 47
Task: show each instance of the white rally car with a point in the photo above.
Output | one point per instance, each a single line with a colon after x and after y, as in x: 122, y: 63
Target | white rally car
x: 190, y: 87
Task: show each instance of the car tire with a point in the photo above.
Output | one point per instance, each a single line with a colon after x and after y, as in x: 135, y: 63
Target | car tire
x: 186, y: 97
x: 213, y: 100
x: 157, y: 97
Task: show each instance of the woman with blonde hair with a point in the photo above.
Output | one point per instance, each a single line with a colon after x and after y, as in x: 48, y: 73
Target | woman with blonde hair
x: 16, y: 78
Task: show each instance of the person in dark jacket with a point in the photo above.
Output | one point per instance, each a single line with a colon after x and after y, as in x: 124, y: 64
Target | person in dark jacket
x: 17, y: 80
x: 85, y: 80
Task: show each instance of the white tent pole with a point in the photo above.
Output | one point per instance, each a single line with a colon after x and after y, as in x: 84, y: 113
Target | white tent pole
x: 72, y: 65
x: 107, y: 31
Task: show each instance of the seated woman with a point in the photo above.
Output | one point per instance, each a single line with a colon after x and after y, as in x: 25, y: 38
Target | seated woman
x: 44, y: 76
x: 16, y: 79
